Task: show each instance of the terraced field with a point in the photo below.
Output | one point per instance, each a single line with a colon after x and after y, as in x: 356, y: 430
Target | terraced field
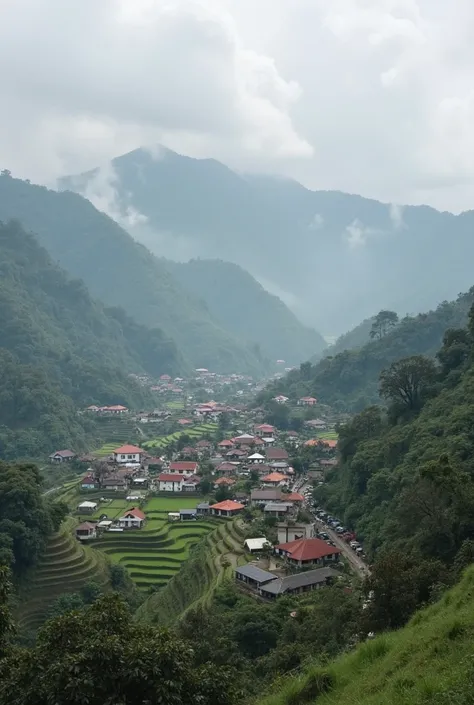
x: 195, y: 433
x: 212, y: 562
x: 65, y: 567
x: 154, y: 554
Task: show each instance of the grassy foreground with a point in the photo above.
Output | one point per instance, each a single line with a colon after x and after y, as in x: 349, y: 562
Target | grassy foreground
x: 430, y: 661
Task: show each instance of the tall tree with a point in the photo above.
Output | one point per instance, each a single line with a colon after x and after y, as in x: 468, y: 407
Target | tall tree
x: 406, y: 381
x: 383, y: 322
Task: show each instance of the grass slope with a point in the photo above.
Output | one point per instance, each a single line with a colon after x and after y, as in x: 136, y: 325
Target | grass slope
x: 428, y: 661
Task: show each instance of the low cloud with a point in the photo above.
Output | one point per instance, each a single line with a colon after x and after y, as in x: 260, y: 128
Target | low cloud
x: 101, y: 190
x: 316, y: 222
x: 395, y: 213
x: 357, y: 234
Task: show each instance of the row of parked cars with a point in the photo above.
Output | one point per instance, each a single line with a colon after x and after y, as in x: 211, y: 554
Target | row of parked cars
x: 336, y: 526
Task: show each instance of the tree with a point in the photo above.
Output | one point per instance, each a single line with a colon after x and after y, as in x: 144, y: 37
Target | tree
x: 406, y: 382
x: 383, y: 322
x: 101, y: 657
x: 398, y: 584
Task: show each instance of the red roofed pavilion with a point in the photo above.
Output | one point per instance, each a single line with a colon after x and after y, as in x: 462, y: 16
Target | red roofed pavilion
x: 228, y: 508
x: 308, y: 552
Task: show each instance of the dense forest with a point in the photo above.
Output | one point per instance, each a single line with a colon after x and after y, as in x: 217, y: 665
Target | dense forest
x: 120, y: 272
x: 238, y: 302
x: 27, y: 518
x: 348, y: 380
x: 59, y: 348
x: 405, y: 477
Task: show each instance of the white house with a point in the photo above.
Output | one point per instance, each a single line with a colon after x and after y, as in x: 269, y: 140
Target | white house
x: 170, y: 482
x: 128, y: 454
x: 132, y: 519
x: 87, y: 507
x: 256, y: 458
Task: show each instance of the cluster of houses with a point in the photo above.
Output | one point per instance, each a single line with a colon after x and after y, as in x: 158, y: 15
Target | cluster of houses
x: 310, y: 559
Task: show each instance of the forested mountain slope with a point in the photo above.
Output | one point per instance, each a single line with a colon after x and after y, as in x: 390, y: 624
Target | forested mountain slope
x: 349, y: 379
x: 428, y: 661
x: 59, y: 348
x: 240, y: 304
x: 121, y: 272
x: 330, y: 254
x: 406, y: 477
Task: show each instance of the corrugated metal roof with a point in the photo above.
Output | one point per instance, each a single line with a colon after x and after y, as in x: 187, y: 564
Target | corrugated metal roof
x: 254, y: 573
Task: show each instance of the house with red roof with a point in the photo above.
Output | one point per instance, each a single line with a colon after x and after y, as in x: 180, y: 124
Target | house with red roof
x: 128, y: 454
x: 111, y: 410
x: 264, y: 430
x: 277, y: 454
x: 170, y: 482
x: 134, y: 518
x: 226, y: 444
x: 185, y: 422
x: 89, y: 483
x: 227, y: 468
x: 86, y: 530
x: 228, y: 508
x: 307, y: 401
x: 244, y: 440
x: 184, y: 467
x: 235, y: 454
x: 303, y: 552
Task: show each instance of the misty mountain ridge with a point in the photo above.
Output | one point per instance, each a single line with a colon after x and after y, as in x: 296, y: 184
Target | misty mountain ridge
x: 334, y: 258
x: 122, y: 272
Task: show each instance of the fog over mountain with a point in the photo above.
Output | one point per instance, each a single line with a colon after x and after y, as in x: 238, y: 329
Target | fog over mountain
x: 334, y: 258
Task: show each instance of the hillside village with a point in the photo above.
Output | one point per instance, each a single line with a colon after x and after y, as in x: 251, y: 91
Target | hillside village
x: 194, y: 462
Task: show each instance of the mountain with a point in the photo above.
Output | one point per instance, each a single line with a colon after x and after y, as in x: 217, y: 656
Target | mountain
x: 349, y: 379
x: 329, y: 255
x: 120, y: 272
x: 60, y: 349
x: 242, y: 306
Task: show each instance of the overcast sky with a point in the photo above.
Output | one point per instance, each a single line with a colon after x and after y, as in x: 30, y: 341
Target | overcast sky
x: 367, y: 96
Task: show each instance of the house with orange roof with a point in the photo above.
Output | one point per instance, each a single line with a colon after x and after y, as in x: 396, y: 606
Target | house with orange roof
x: 128, y: 454
x: 320, y: 441
x: 228, y: 508
x: 134, y: 518
x: 224, y: 482
x: 295, y: 497
x: 275, y: 479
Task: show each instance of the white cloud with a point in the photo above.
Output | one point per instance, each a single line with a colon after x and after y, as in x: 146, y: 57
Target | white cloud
x: 141, y: 68
x: 357, y: 234
x: 317, y: 222
x: 366, y: 96
x: 101, y: 190
x: 395, y: 213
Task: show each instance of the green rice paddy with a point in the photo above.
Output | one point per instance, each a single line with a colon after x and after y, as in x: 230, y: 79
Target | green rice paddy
x: 154, y: 554
x: 194, y: 432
